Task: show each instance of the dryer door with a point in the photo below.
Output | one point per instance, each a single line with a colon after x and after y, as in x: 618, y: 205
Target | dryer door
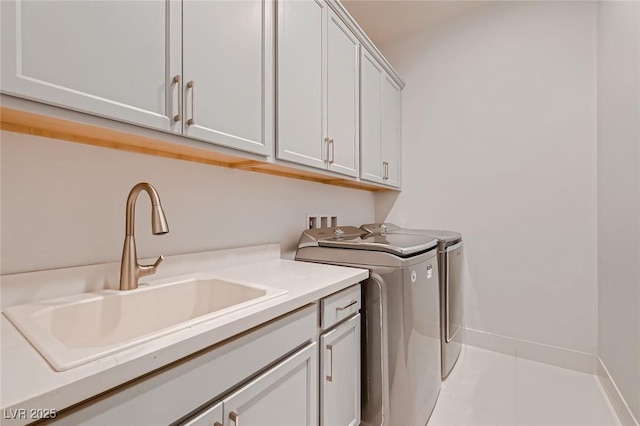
x: 453, y: 290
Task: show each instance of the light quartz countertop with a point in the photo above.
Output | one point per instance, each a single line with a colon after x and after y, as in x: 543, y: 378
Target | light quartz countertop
x: 28, y: 381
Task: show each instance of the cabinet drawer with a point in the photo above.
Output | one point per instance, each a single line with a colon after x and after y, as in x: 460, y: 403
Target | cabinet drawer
x: 339, y: 306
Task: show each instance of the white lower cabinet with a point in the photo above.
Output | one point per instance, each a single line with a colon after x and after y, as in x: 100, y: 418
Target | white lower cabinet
x: 286, y: 395
x: 265, y: 377
x: 340, y: 375
x: 190, y: 387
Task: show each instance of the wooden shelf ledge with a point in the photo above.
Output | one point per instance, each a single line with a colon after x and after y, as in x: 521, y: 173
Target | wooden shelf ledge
x: 17, y: 121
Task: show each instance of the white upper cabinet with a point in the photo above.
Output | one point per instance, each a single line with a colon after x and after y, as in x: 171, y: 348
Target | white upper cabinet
x: 342, y: 97
x: 390, y: 125
x: 228, y: 73
x: 301, y: 82
x: 318, y: 88
x: 208, y: 70
x: 370, y: 106
x: 115, y: 59
x: 380, y: 121
x: 199, y: 68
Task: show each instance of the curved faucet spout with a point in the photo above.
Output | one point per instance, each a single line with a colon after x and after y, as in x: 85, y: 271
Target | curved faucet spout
x: 130, y: 269
x: 159, y: 224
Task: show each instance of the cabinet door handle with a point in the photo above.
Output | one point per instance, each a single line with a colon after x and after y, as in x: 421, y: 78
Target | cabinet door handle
x: 332, y: 151
x: 177, y: 80
x: 330, y: 375
x: 351, y: 303
x: 327, y: 141
x: 385, y: 170
x: 192, y: 85
x: 234, y: 417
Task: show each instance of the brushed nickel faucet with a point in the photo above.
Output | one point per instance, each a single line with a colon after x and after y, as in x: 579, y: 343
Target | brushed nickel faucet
x: 130, y: 269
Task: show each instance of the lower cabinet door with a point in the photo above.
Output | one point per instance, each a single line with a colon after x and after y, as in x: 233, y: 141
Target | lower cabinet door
x: 210, y: 417
x: 285, y: 395
x: 340, y: 375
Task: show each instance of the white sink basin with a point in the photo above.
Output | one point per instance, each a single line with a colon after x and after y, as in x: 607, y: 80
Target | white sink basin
x: 75, y: 330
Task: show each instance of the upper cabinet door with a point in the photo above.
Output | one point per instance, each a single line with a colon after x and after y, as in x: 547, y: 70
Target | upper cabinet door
x: 390, y: 131
x: 371, y: 72
x: 115, y: 59
x: 228, y: 73
x: 301, y: 80
x: 343, y: 95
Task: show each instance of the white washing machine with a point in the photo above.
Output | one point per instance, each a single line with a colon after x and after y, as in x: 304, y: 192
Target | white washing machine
x: 450, y: 261
x: 401, y: 322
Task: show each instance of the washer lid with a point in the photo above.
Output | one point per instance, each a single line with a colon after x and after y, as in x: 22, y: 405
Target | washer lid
x: 400, y: 244
x: 446, y: 238
x: 350, y: 237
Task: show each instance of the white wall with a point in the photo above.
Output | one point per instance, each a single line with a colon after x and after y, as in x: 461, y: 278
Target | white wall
x: 619, y: 195
x: 499, y: 142
x: 63, y: 204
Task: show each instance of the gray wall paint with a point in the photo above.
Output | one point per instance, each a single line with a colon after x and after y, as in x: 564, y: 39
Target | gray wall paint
x: 63, y: 204
x: 619, y: 195
x: 499, y: 142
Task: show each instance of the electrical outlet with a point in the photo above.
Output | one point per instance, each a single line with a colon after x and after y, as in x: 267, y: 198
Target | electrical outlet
x: 321, y: 221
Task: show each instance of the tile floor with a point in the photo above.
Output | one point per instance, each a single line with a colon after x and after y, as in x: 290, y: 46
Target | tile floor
x: 492, y: 389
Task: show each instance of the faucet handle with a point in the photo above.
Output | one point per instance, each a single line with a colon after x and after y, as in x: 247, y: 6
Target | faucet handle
x: 145, y: 270
x: 157, y: 263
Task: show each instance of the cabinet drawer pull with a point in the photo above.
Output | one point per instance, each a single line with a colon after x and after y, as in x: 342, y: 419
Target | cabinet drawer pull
x: 192, y: 85
x: 330, y: 375
x: 234, y: 417
x: 177, y: 80
x: 351, y: 303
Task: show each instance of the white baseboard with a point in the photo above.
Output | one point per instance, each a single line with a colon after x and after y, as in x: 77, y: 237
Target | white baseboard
x: 553, y: 355
x: 617, y: 400
x: 560, y: 357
